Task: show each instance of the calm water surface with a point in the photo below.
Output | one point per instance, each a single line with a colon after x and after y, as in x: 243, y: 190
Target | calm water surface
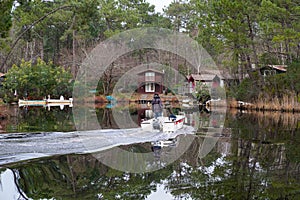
x: 256, y: 157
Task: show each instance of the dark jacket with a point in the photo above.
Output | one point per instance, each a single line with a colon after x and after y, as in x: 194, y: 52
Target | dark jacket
x: 157, y: 104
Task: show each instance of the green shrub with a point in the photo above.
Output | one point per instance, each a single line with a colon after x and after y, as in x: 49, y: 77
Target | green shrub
x: 36, y: 81
x: 247, y: 90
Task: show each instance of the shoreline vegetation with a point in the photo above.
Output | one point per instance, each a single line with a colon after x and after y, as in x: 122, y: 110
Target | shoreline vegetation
x: 288, y: 106
x: 285, y: 104
x: 288, y: 103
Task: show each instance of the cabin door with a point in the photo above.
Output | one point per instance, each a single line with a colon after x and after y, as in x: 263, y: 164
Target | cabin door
x: 150, y: 87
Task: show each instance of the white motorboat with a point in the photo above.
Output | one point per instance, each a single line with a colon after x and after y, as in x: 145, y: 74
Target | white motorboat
x: 164, y: 124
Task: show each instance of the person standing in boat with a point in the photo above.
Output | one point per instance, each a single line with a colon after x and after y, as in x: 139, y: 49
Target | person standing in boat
x: 157, y: 106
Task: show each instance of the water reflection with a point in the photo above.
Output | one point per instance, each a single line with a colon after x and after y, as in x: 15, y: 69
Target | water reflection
x: 33, y: 119
x: 255, y: 156
x: 123, y: 116
x: 238, y: 167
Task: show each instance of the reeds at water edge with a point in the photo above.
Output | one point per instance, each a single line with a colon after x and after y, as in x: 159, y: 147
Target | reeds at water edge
x: 286, y: 103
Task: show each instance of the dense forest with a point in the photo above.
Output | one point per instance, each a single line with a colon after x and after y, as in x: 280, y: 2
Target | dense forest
x: 241, y: 36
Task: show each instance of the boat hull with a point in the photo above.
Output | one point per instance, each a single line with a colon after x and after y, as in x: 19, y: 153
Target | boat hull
x: 164, y: 124
x: 173, y: 125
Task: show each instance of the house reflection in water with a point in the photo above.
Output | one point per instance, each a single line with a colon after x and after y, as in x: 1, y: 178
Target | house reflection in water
x: 190, y: 118
x: 144, y: 113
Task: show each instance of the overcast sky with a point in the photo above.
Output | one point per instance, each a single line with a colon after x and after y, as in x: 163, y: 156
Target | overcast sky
x: 159, y: 4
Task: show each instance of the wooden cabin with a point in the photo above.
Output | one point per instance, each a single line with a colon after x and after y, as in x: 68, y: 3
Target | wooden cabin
x: 150, y: 81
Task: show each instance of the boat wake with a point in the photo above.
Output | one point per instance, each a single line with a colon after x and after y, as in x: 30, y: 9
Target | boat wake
x: 25, y: 146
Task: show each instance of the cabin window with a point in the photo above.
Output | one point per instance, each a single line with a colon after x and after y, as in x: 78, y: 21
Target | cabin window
x: 149, y: 76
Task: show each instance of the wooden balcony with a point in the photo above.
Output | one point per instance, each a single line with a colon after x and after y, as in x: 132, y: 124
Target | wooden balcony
x: 151, y: 79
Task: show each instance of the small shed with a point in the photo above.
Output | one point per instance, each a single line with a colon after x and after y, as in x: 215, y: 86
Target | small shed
x: 272, y: 70
x: 210, y: 78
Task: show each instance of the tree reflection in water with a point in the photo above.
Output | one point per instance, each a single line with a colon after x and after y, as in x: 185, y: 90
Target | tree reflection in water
x: 256, y: 157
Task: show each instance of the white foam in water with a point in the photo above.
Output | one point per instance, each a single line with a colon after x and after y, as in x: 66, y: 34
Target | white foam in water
x: 98, y: 141
x: 17, y: 147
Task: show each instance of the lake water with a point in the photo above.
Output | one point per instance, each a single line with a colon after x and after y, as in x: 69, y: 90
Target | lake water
x: 229, y: 155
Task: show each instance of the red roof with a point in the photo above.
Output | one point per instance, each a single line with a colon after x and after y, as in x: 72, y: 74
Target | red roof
x: 279, y: 67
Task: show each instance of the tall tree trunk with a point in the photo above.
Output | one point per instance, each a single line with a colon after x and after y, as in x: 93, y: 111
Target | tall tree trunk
x: 26, y: 51
x: 57, y: 56
x: 32, y: 47
x: 298, y: 51
x: 281, y: 54
x: 251, y: 34
x: 289, y: 57
x: 74, y: 54
x: 42, y: 48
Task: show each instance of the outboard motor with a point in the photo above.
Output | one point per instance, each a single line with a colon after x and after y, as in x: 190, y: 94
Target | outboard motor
x: 156, y: 124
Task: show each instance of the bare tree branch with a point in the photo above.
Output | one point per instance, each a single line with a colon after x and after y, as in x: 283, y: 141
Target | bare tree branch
x: 28, y: 28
